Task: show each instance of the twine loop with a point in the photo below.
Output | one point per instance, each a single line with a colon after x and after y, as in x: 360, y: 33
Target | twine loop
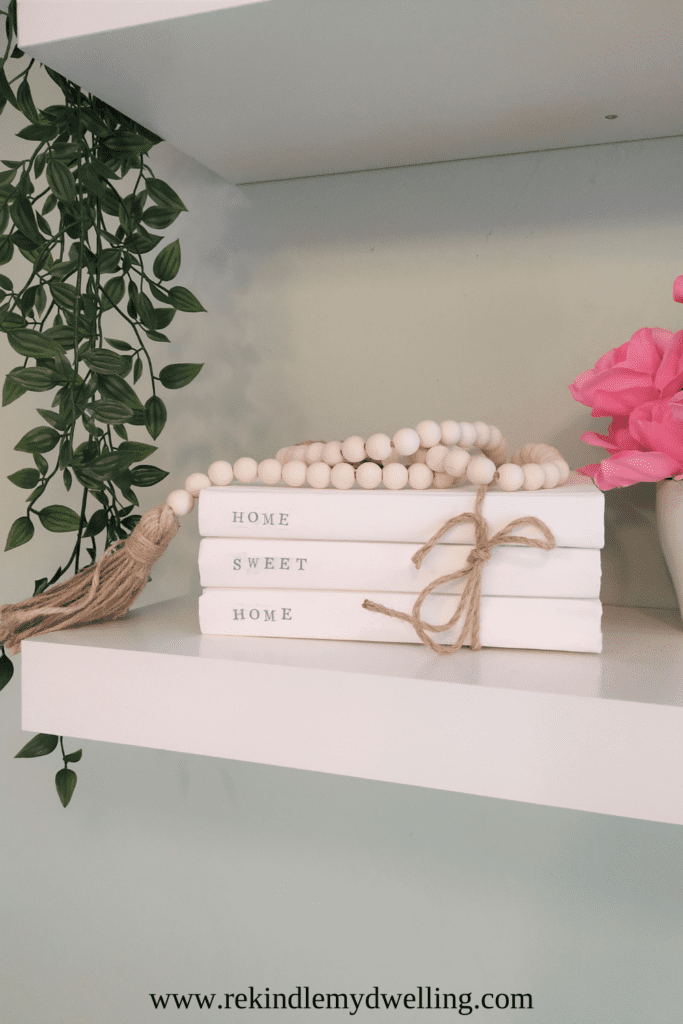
x: 469, y: 605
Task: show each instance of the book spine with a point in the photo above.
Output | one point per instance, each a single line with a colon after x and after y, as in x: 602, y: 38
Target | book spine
x: 515, y: 571
x: 551, y: 624
x: 574, y: 515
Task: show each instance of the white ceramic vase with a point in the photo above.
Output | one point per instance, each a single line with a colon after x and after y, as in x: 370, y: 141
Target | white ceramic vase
x: 669, y: 509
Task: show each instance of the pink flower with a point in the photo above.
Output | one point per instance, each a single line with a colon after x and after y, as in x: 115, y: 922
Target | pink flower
x: 678, y: 289
x: 647, y: 445
x: 646, y: 368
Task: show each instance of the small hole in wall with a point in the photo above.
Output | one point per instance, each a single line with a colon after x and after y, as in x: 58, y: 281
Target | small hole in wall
x: 611, y: 117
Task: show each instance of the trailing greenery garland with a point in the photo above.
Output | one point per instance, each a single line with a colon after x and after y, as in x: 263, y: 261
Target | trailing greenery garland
x: 64, y: 209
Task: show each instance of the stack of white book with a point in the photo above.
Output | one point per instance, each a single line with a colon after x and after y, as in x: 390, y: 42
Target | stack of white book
x: 299, y: 562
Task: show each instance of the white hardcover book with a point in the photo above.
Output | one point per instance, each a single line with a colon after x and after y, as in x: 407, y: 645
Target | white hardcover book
x: 539, y: 623
x: 574, y: 513
x: 514, y: 571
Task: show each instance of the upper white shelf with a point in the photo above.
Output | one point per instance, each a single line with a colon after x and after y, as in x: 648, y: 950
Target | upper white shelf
x: 291, y: 88
x: 593, y: 732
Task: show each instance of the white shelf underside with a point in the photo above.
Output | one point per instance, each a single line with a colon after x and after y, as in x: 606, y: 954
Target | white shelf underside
x: 600, y: 733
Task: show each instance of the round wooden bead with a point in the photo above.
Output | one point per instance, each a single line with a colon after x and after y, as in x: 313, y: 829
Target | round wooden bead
x: 332, y: 453
x: 181, y: 502
x: 298, y: 453
x: 245, y: 470
x: 394, y: 457
x: 294, y: 473
x: 456, y: 461
x: 220, y: 473
x: 420, y: 455
x: 510, y: 477
x: 563, y: 468
x: 342, y: 476
x: 495, y: 438
x: 270, y: 471
x: 450, y: 432
x: 480, y: 470
x: 406, y: 441
x: 395, y: 476
x: 353, y: 449
x: 429, y: 433
x: 552, y: 474
x: 483, y: 433
x: 318, y: 474
x: 378, y: 446
x: 368, y: 475
x: 282, y: 455
x: 420, y: 476
x: 534, y: 477
x: 442, y: 480
x: 435, y: 457
x: 196, y: 482
x: 314, y: 452
x: 468, y: 435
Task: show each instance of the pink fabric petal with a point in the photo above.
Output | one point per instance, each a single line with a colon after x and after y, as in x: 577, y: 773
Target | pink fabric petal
x: 678, y: 289
x: 669, y: 377
x: 631, y: 467
x: 658, y: 429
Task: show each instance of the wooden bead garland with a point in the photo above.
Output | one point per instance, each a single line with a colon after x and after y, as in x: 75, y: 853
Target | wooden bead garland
x: 431, y: 455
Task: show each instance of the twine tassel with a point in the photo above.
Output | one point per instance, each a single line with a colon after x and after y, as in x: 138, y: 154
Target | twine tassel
x: 99, y: 593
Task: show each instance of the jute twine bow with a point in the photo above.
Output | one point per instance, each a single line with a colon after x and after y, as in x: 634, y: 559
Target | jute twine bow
x: 98, y: 593
x: 470, y: 599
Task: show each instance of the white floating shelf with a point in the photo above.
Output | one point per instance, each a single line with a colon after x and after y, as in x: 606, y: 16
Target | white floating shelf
x: 263, y: 91
x: 599, y: 733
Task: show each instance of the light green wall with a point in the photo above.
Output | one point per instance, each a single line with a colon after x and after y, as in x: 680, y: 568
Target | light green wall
x: 350, y: 304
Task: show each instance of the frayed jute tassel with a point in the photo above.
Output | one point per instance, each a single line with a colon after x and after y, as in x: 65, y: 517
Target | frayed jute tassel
x: 470, y: 600
x: 98, y: 593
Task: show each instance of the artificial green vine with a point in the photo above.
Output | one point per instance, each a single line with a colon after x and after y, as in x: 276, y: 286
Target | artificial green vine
x: 64, y: 209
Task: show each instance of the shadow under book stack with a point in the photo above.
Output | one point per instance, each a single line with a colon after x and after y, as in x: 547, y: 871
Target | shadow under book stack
x: 299, y: 562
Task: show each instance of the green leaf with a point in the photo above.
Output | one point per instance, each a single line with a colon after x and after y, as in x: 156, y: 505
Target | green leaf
x: 6, y: 283
x: 49, y: 204
x: 163, y: 317
x: 134, y: 451
x: 114, y: 290
x: 25, y: 102
x: 35, y: 378
x: 65, y: 781
x: 40, y: 462
x: 11, y: 390
x: 6, y: 670
x: 155, y: 416
x: 6, y: 249
x: 33, y: 344
x: 157, y: 336
x: 61, y: 181
x: 40, y: 586
x: 26, y: 478
x: 41, y: 744
x: 108, y: 261
x: 158, y: 218
x: 39, y: 164
x: 125, y: 143
x: 109, y: 411
x: 40, y: 439
x: 6, y: 90
x: 102, y: 361
x: 20, y: 532
x: 122, y: 346
x: 137, y: 372
x: 145, y: 310
x: 62, y: 334
x: 142, y: 241
x: 67, y: 478
x: 184, y: 300
x: 44, y: 131
x: 105, y: 466
x: 97, y: 523
x: 76, y: 756
x: 53, y: 418
x: 59, y: 519
x: 10, y: 321
x: 65, y: 295
x: 163, y: 195
x: 147, y: 476
x: 179, y: 375
x: 119, y: 390
x: 167, y: 263
x: 22, y: 214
